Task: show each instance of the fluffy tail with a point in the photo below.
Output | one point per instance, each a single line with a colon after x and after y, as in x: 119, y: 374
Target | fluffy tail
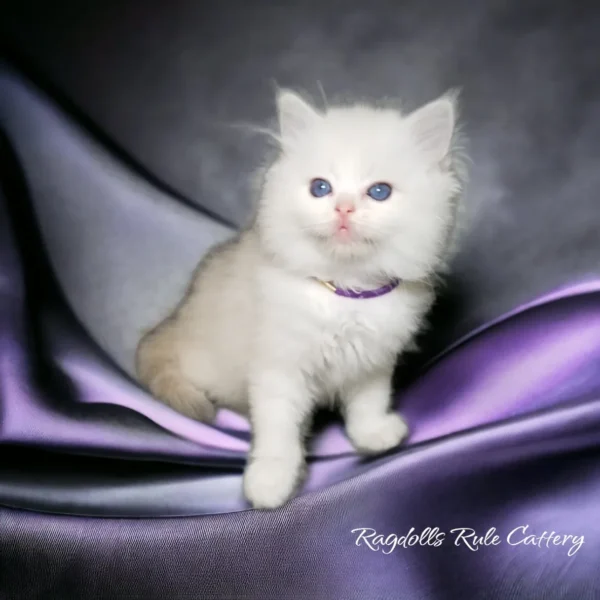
x: 159, y: 369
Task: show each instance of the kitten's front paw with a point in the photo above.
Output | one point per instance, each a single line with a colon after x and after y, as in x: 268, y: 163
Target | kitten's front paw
x: 270, y: 482
x: 377, y: 434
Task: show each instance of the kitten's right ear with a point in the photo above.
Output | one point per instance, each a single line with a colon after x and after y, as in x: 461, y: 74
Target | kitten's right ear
x: 294, y: 113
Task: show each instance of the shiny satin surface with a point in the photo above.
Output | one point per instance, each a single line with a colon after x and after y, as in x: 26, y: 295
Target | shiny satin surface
x: 106, y: 493
x: 505, y: 433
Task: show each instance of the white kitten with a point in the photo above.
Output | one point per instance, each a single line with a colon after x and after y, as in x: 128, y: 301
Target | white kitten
x: 358, y: 198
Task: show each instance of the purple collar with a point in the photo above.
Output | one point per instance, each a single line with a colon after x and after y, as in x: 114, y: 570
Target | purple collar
x: 361, y: 294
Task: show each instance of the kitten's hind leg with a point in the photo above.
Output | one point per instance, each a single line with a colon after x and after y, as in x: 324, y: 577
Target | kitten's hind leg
x: 159, y: 369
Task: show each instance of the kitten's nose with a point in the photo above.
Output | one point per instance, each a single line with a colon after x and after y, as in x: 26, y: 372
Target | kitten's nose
x: 344, y: 207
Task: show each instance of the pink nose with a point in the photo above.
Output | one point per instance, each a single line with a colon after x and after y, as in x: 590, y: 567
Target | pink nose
x: 345, y: 208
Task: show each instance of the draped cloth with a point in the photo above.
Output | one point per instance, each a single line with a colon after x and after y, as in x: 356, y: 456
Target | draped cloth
x: 107, y: 493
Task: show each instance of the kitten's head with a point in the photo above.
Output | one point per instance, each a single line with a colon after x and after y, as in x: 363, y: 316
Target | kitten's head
x: 358, y: 190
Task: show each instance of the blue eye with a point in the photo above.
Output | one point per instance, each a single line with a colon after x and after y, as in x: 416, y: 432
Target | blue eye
x: 320, y: 188
x: 380, y: 191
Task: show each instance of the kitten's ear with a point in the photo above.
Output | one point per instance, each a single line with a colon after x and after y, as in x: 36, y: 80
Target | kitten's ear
x: 432, y: 127
x: 295, y: 114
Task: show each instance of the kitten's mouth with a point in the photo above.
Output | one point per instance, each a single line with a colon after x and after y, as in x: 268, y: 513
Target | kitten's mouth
x: 343, y: 233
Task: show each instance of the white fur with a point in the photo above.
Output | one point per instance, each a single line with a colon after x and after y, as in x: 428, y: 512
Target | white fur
x: 256, y: 331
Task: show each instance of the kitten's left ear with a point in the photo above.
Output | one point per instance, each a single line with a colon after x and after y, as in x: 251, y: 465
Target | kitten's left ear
x: 294, y: 113
x: 432, y: 127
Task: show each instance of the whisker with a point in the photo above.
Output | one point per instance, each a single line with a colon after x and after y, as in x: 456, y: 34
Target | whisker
x: 322, y: 90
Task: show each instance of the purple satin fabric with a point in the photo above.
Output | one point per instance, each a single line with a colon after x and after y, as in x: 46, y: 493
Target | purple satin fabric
x: 505, y: 430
